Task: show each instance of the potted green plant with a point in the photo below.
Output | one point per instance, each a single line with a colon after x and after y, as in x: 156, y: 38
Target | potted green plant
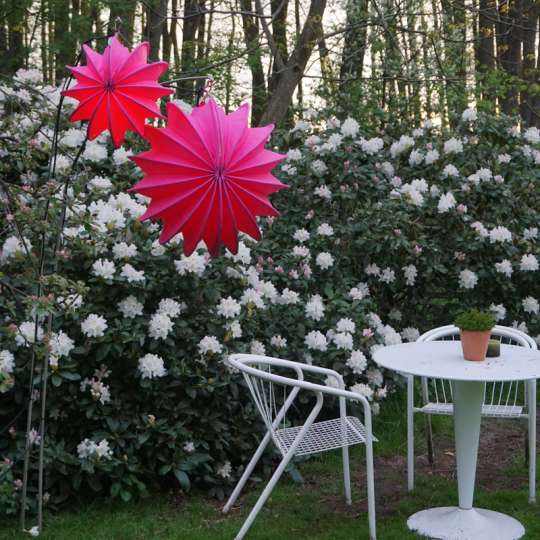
x: 475, y: 330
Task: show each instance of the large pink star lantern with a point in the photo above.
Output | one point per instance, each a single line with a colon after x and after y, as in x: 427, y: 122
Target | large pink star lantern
x: 117, y: 90
x: 208, y: 175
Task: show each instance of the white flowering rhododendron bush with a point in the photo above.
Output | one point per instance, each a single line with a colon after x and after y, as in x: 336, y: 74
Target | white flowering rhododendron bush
x: 379, y: 239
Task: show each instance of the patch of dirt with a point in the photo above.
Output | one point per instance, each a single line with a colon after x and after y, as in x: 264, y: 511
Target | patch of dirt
x: 502, y: 443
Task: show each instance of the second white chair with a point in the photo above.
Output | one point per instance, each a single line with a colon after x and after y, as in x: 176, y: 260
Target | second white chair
x: 501, y: 400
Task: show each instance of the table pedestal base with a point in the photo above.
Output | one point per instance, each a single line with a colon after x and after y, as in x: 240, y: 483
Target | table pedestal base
x: 453, y: 523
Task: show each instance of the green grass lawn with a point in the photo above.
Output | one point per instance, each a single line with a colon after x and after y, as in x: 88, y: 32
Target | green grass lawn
x: 316, y: 508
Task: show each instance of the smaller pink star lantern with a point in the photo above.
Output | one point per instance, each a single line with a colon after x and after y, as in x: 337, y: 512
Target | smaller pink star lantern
x: 117, y: 90
x: 208, y: 175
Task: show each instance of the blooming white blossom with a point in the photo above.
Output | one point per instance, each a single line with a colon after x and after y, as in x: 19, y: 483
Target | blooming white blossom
x: 194, y: 264
x: 410, y: 334
x: 362, y: 389
x: 372, y: 146
x: 504, y: 158
x: 13, y: 246
x: 130, y: 307
x: 26, y: 333
x: 324, y: 260
x: 151, y: 366
x: 256, y: 347
x: 480, y: 229
x: 450, y: 170
x: 498, y: 311
x: 453, y: 146
x: 294, y: 154
x: 467, y: 279
x: 235, y: 329
x: 400, y: 146
x: 343, y: 340
x: 532, y: 135
x: 315, y: 308
x: 99, y: 183
x: 229, y: 308
x: 132, y: 275
x: 278, y: 342
x: 189, y: 447
x: 94, y: 326
x: 325, y: 230
x: 73, y: 138
x: 103, y: 268
x: 350, y: 127
x: 88, y: 449
x: 170, y: 307
x: 410, y: 272
x: 7, y: 362
x: 357, y: 362
x: 301, y: 235
x: 301, y: 251
x: 416, y: 157
x: 121, y: 155
x: 446, y: 202
x: 289, y: 297
x: 387, y: 276
x: 504, y: 267
x: 60, y: 345
x: 210, y: 344
x: 500, y: 234
x: 224, y: 470
x: 160, y: 326
x: 528, y: 263
x: 469, y: 115
x: 530, y: 305
x: 530, y: 234
x: 346, y: 325
x: 316, y: 341
x: 375, y: 377
x: 95, y: 151
x: 323, y: 192
x: 431, y: 157
x: 319, y: 167
x: 122, y: 250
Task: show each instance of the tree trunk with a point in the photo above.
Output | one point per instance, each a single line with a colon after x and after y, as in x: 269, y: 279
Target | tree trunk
x: 279, y: 34
x: 485, y: 51
x: 509, y: 50
x: 189, y: 47
x: 174, y: 37
x: 156, y: 13
x: 531, y: 10
x: 15, y: 56
x: 295, y: 66
x: 354, y: 45
x: 258, y: 83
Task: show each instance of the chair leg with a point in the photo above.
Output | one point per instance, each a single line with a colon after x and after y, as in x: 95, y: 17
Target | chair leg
x: 410, y: 433
x: 346, y: 474
x: 371, y: 490
x: 264, y: 496
x: 247, y: 473
x: 429, y: 440
x: 532, y: 440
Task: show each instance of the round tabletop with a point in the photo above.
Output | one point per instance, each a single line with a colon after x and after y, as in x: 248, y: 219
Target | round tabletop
x: 444, y: 360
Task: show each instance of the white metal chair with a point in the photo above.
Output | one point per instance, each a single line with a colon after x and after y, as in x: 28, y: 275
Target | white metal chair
x: 274, y: 394
x: 501, y: 400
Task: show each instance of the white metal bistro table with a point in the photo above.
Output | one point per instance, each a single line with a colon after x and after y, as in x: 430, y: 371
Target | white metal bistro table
x: 444, y: 360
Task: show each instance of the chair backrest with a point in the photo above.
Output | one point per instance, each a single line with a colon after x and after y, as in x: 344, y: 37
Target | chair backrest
x: 496, y: 394
x: 274, y: 384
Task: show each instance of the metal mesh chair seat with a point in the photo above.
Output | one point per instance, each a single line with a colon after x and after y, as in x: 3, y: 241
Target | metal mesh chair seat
x: 323, y: 436
x: 501, y: 411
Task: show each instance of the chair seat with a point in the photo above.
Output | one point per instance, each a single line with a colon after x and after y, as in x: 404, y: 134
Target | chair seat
x: 504, y: 411
x: 323, y: 436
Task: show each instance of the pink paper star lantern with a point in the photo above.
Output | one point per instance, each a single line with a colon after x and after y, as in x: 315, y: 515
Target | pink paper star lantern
x: 208, y: 176
x: 117, y: 90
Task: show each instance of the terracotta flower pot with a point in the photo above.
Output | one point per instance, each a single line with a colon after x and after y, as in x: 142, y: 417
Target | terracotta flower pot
x: 474, y: 344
